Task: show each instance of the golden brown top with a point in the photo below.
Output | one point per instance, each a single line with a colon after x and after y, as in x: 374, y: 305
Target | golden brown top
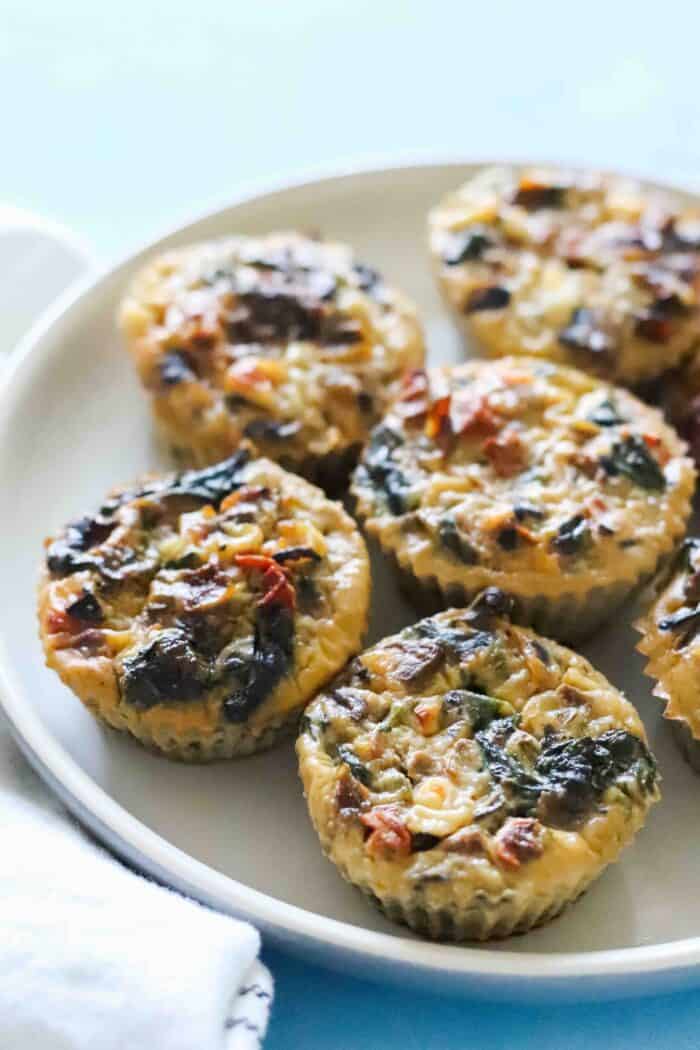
x: 282, y: 340
x: 583, y: 268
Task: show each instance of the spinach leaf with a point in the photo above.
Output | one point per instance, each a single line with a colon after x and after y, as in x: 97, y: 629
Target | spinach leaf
x: 570, y: 775
x: 466, y: 245
x: 454, y: 541
x: 254, y: 677
x: 572, y: 535
x: 167, y: 670
x: 632, y: 458
x: 606, y: 414
x: 478, y: 708
x: 360, y: 772
x: 379, y: 466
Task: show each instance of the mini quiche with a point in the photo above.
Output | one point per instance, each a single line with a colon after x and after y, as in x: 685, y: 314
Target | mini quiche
x: 580, y: 268
x: 529, y: 476
x: 471, y: 777
x: 284, y: 341
x: 680, y: 399
x: 201, y: 611
x: 671, y: 643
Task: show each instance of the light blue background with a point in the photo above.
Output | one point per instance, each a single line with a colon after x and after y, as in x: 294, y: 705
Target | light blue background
x: 123, y: 119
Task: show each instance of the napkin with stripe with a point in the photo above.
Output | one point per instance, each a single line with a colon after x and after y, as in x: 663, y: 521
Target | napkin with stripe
x: 94, y: 957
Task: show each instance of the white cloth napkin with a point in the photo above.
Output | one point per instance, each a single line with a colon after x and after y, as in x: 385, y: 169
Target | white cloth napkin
x: 93, y: 957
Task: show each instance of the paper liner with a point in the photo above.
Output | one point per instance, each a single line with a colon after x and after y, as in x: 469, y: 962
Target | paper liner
x: 688, y: 746
x: 331, y: 472
x: 567, y: 618
x: 659, y: 668
x: 487, y: 920
x: 485, y: 917
x: 227, y: 741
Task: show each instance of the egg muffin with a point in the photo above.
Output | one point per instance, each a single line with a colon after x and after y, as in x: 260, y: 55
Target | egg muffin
x: 533, y: 477
x: 581, y: 268
x: 201, y: 611
x: 680, y: 399
x: 281, y: 341
x: 671, y: 644
x: 471, y: 777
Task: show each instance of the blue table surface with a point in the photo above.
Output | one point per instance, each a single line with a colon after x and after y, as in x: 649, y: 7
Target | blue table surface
x: 122, y: 120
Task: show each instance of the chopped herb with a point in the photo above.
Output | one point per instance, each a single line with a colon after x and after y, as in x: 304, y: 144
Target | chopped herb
x: 187, y: 561
x: 478, y: 708
x: 466, y: 245
x: 358, y: 770
x: 542, y: 652
x: 380, y: 468
x: 632, y: 458
x: 254, y: 678
x: 296, y: 554
x: 367, y: 278
x: 176, y: 367
x: 508, y: 538
x: 606, y: 414
x: 493, y: 297
x: 523, y: 511
x: 454, y: 541
x: 686, y: 619
x: 271, y: 429
x: 457, y: 645
x: 572, y: 535
x: 584, y: 332
x: 86, y: 608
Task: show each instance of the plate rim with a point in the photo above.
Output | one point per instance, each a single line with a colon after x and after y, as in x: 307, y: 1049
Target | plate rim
x: 131, y: 837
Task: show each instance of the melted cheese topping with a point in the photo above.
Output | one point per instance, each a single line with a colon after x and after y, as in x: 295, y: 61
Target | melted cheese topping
x: 580, y: 268
x: 671, y: 637
x: 210, y: 598
x: 465, y: 758
x: 530, y: 476
x: 281, y: 340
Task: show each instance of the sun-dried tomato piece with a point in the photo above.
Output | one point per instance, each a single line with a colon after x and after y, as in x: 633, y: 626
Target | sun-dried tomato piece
x: 350, y: 795
x: 389, y: 834
x: 519, y: 840
x: 506, y: 453
x: 277, y: 588
x: 414, y: 398
x: 470, y: 414
x: 438, y: 421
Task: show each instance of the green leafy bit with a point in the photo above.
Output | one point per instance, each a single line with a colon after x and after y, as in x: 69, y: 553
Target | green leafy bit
x: 632, y: 458
x: 453, y: 540
x: 572, y: 535
x: 570, y: 774
x: 478, y: 708
x: 684, y: 620
x: 606, y: 414
x: 360, y: 772
x: 379, y: 466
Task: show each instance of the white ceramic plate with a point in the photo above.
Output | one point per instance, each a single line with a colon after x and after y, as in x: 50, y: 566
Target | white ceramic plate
x: 73, y: 422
